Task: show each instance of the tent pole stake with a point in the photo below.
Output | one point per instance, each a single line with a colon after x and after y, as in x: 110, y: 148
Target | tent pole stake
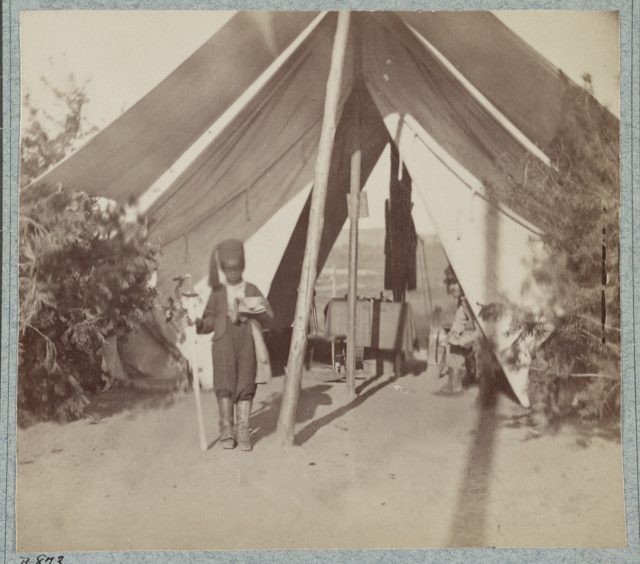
x: 293, y: 377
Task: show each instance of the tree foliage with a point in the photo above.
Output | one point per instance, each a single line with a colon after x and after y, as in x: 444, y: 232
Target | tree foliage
x: 47, y: 139
x: 576, y: 203
x: 84, y: 269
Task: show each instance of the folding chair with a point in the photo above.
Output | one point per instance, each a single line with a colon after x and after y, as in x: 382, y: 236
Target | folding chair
x: 316, y: 335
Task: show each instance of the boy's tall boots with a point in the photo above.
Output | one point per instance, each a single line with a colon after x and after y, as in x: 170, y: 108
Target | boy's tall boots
x: 225, y: 406
x: 453, y: 387
x: 456, y: 377
x: 243, y: 432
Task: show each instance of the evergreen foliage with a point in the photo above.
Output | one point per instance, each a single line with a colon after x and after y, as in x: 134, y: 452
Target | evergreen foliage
x: 576, y: 203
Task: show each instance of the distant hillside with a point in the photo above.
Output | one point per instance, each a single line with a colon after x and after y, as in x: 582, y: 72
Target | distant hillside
x: 371, y: 273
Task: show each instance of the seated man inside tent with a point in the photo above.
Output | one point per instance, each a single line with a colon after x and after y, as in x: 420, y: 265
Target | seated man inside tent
x: 462, y: 337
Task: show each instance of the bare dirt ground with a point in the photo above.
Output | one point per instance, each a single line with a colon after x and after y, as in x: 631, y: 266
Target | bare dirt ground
x: 396, y: 467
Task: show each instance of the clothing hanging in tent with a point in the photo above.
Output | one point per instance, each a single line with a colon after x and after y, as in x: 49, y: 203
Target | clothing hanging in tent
x: 401, y: 240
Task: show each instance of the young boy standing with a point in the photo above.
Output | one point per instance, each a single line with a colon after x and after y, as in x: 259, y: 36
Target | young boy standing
x: 229, y: 314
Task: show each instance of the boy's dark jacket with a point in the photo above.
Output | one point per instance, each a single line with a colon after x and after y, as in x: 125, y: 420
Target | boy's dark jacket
x: 215, y: 316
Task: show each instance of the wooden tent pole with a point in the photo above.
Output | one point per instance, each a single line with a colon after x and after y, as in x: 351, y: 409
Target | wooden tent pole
x: 293, y: 377
x: 354, y: 214
x: 352, y: 291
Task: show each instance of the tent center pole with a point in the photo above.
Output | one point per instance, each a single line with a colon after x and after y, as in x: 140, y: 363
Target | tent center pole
x: 293, y: 377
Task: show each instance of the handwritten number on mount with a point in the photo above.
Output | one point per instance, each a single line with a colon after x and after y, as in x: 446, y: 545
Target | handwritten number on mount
x: 43, y: 559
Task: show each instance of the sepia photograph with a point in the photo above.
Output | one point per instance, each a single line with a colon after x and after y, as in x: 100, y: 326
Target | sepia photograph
x: 319, y: 280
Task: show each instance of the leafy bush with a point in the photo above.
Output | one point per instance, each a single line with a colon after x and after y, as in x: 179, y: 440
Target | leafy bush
x: 83, y: 276
x: 84, y: 269
x: 576, y: 203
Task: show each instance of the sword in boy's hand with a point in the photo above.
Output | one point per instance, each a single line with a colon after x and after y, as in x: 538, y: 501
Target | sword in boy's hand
x: 187, y: 300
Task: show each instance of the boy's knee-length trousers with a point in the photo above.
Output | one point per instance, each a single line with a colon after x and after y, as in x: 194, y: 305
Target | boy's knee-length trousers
x: 234, y: 363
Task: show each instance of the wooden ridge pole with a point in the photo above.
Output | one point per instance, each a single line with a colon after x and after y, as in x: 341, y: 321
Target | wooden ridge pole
x: 354, y: 214
x: 293, y: 377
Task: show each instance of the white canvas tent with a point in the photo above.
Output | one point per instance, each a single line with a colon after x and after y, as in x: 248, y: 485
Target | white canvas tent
x: 231, y: 136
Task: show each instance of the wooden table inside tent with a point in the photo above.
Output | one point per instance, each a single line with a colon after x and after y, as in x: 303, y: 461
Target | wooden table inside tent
x: 381, y: 326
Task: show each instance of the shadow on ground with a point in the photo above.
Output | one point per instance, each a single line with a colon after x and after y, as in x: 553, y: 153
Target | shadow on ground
x: 367, y: 388
x: 585, y: 432
x: 127, y: 399
x: 304, y: 434
x: 539, y: 424
x: 264, y: 419
x: 469, y: 524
